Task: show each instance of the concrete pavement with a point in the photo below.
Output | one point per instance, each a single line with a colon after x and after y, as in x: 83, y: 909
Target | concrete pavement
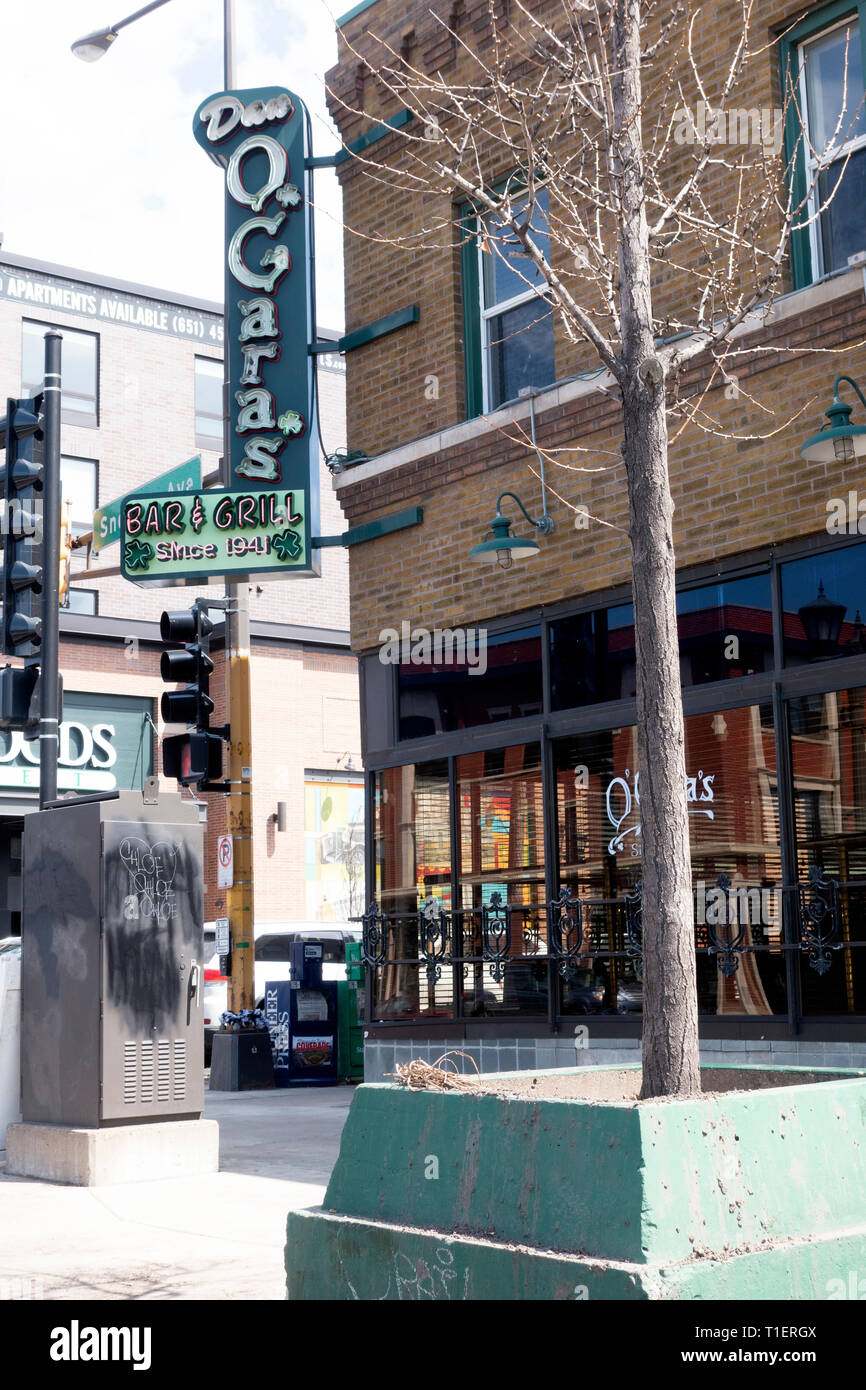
x: 214, y: 1237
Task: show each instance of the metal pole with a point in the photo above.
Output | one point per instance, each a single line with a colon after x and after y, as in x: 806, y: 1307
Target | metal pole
x: 239, y: 819
x: 49, y: 712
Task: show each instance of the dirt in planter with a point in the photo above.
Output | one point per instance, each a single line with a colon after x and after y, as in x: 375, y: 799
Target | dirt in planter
x: 589, y: 1084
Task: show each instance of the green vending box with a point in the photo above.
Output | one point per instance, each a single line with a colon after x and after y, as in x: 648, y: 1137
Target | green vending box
x: 350, y: 1016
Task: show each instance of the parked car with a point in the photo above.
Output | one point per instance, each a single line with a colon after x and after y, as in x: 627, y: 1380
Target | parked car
x: 10, y: 945
x: 629, y: 997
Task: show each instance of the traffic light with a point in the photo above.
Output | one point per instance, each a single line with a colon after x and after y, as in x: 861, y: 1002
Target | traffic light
x: 196, y: 756
x: 22, y: 572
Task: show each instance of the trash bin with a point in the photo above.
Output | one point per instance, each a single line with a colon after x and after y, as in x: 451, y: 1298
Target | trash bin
x: 10, y: 1042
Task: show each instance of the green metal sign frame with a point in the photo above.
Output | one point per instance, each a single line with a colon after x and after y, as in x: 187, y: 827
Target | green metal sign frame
x: 195, y: 538
x: 260, y: 138
x: 107, y: 521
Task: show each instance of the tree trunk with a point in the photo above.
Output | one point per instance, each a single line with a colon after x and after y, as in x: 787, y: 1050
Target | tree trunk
x: 671, y: 1064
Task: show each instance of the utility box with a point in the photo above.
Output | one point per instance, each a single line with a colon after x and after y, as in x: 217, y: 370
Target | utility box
x: 112, y: 962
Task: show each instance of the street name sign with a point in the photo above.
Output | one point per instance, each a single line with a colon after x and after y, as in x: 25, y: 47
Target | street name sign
x: 184, y: 477
x: 193, y: 538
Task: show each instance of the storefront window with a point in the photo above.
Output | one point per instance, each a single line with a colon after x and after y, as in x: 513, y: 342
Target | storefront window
x: 725, y: 631
x: 501, y: 855
x: 458, y: 679
x: 733, y: 822
x: 823, y: 598
x: 413, y: 865
x: 828, y: 755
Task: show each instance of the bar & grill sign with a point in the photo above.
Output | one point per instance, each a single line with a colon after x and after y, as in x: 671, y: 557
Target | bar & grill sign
x: 259, y: 137
x: 172, y: 539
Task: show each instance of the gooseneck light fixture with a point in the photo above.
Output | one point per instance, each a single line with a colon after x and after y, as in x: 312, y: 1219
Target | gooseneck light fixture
x: 504, y: 548
x: 92, y: 46
x: 840, y: 440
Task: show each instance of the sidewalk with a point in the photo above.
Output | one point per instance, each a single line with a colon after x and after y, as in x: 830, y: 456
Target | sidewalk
x: 216, y: 1237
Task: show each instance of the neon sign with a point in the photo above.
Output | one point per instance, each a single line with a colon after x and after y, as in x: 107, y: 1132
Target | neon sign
x: 259, y: 137
x: 170, y: 537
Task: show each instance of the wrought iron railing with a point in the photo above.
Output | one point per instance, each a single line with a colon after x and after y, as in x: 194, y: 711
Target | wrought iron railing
x: 560, y: 931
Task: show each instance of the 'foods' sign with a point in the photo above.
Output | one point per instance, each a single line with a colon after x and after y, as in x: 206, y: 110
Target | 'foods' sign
x: 259, y: 137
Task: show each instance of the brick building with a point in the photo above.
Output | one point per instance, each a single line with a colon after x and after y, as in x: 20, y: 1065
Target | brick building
x: 142, y: 392
x: 503, y: 789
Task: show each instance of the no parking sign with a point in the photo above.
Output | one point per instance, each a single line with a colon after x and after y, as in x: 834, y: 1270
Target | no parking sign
x: 225, y: 861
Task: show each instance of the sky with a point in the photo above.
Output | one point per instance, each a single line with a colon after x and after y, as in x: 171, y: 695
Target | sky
x: 99, y: 169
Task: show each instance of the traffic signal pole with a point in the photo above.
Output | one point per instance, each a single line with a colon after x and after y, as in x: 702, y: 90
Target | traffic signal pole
x: 239, y: 801
x: 49, y: 711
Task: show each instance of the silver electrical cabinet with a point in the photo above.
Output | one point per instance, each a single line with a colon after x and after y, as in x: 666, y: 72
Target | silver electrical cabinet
x: 111, y: 969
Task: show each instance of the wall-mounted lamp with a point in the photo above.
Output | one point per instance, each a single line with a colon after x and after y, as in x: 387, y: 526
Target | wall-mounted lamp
x: 840, y: 440
x: 279, y: 816
x: 503, y: 549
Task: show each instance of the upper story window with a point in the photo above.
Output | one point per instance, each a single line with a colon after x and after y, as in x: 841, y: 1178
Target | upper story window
x: 826, y: 63
x: 209, y: 403
x: 79, y: 487
x: 79, y: 367
x: 509, y: 325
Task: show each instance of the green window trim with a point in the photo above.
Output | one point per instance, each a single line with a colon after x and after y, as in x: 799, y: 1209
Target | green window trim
x: 468, y: 225
x: 471, y: 316
x: 808, y: 28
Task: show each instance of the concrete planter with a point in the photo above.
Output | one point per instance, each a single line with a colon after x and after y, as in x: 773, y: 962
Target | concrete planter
x: 756, y: 1193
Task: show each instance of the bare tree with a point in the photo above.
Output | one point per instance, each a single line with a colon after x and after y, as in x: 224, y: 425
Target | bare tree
x: 593, y: 102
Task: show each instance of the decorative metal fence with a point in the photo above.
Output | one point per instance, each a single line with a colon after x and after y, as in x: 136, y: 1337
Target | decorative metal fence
x: 571, y: 931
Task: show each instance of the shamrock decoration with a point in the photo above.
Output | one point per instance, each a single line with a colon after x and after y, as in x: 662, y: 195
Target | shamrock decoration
x: 287, y: 544
x: 289, y: 196
x: 138, y: 554
x: 291, y: 422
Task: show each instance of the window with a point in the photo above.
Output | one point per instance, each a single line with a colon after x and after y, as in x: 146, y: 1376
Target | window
x: 509, y: 325
x: 466, y: 677
x: 79, y: 371
x: 82, y: 601
x: 823, y: 602
x: 209, y: 403
x: 78, y: 487
x: 815, y: 62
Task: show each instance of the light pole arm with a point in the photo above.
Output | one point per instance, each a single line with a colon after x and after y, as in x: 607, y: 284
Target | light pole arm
x: 851, y: 382
x: 131, y: 18
x: 544, y: 523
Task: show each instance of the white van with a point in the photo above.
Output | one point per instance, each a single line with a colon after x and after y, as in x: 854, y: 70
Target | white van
x: 273, y: 940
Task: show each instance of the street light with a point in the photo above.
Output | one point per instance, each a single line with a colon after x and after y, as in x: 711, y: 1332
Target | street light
x: 504, y: 548
x: 822, y: 623
x: 92, y: 46
x: 840, y: 440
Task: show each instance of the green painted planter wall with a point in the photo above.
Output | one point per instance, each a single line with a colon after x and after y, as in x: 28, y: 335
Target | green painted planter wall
x: 752, y: 1194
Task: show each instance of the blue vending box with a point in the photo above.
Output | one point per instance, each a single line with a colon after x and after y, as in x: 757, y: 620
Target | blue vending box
x: 302, y: 1017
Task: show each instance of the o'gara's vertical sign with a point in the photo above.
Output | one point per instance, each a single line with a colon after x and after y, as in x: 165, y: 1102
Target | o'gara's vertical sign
x: 260, y: 138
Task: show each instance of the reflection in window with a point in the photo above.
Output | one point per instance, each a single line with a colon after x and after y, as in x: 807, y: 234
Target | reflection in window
x: 831, y: 103
x: 455, y: 680
x: 501, y: 850
x: 81, y: 601
x: 828, y: 755
x: 733, y: 823
x: 79, y: 371
x: 413, y: 865
x: 823, y: 597
x: 209, y: 403
x: 517, y: 324
x: 725, y: 631
x: 78, y: 487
